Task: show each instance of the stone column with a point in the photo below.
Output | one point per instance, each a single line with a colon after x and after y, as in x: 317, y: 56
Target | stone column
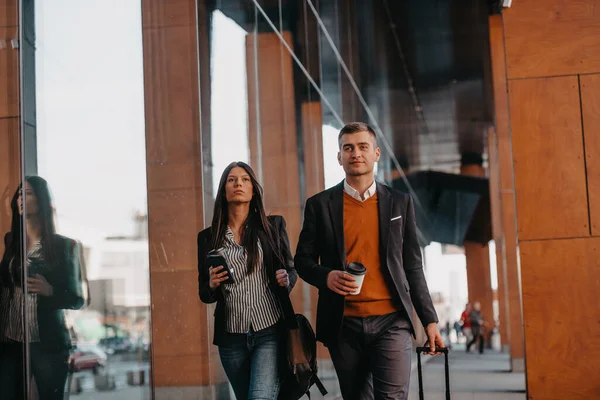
x: 477, y: 255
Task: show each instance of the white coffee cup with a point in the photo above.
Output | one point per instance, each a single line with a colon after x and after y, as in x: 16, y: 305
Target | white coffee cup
x: 358, y: 271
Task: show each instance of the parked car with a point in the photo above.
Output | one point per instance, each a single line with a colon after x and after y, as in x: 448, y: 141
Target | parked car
x: 87, y: 357
x: 116, y: 344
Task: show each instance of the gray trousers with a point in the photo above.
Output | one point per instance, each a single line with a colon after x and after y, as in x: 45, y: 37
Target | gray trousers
x: 372, y: 357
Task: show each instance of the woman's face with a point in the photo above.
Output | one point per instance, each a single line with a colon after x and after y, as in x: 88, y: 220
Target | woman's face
x: 238, y: 187
x: 31, y: 202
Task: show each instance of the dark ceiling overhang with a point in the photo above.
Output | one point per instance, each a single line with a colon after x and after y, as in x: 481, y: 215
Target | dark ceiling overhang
x: 449, y: 208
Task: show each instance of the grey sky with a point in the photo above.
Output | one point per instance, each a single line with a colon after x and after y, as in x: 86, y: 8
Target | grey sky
x: 90, y: 109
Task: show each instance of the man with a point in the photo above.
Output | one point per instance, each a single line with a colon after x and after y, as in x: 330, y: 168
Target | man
x: 368, y: 335
x: 476, y: 327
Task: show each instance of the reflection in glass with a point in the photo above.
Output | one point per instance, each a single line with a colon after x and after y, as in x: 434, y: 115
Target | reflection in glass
x: 33, y: 312
x: 229, y: 108
x: 90, y: 146
x: 334, y: 174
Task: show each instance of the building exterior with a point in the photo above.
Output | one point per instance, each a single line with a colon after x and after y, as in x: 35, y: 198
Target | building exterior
x: 130, y: 105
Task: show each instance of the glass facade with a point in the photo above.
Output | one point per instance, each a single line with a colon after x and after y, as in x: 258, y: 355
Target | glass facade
x: 75, y: 272
x: 129, y: 112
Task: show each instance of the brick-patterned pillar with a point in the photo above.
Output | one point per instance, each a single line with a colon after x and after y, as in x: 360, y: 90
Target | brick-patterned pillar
x: 185, y: 364
x: 10, y: 114
x: 551, y: 83
x: 273, y: 131
x: 312, y: 139
x: 507, y: 196
x: 498, y: 234
x: 478, y: 259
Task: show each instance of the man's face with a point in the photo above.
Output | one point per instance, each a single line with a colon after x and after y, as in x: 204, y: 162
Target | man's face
x: 358, y: 153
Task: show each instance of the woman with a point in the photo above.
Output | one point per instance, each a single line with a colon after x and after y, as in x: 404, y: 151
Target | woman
x: 249, y: 313
x: 51, y: 267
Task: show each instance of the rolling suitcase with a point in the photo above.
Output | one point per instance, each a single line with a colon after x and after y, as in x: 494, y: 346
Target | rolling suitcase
x: 446, y: 369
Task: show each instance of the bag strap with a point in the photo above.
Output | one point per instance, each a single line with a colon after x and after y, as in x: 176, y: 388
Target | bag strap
x: 289, y: 315
x: 319, y: 384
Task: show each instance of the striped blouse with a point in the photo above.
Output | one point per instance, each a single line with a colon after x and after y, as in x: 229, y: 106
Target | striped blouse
x: 11, y: 311
x: 249, y: 302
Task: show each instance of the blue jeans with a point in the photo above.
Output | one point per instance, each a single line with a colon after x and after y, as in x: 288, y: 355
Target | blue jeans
x: 251, y: 364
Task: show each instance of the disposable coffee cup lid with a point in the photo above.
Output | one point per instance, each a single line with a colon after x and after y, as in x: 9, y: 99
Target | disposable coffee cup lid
x: 356, y: 268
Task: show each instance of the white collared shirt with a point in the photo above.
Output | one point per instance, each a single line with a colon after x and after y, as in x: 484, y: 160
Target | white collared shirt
x: 354, y: 193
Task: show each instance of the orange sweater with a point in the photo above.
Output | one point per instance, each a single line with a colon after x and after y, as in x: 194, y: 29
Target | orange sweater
x: 361, y: 235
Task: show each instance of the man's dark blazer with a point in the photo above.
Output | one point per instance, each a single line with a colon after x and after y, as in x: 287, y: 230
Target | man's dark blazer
x: 64, y: 275
x: 321, y: 249
x: 270, y: 261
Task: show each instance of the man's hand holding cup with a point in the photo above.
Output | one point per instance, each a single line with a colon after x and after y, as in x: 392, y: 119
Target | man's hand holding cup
x: 347, y: 282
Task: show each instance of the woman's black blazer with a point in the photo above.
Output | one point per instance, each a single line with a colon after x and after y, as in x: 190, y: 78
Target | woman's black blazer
x: 64, y: 275
x: 271, y: 263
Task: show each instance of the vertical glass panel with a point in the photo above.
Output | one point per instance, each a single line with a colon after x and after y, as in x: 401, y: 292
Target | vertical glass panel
x: 334, y: 174
x: 267, y: 108
x: 85, y: 201
x: 229, y: 107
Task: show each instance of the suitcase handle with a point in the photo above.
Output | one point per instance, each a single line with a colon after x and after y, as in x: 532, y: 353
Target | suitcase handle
x: 440, y: 350
x: 426, y: 349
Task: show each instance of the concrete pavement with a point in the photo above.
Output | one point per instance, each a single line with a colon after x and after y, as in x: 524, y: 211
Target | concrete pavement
x: 472, y: 377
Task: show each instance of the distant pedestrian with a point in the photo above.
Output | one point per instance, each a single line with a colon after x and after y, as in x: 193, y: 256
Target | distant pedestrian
x: 476, y: 327
x: 465, y: 320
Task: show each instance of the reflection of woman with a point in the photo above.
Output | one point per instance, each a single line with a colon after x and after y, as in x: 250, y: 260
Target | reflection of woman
x: 249, y: 310
x: 53, y: 284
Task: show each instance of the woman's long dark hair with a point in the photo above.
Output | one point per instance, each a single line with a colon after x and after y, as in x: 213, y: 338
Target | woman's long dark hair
x: 15, y: 247
x: 255, y: 223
